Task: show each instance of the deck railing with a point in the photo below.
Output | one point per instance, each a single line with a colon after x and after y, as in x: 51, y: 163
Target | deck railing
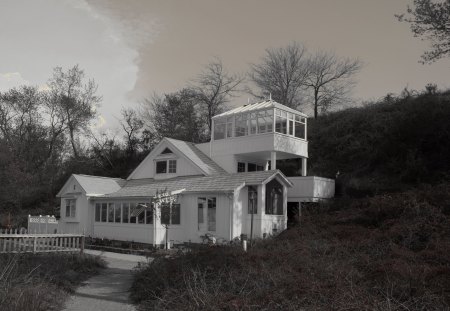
x: 13, y: 242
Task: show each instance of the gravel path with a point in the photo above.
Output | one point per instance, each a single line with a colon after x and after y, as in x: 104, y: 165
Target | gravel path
x: 110, y: 289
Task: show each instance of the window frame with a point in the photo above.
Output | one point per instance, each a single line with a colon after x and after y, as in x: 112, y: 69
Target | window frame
x: 71, y: 208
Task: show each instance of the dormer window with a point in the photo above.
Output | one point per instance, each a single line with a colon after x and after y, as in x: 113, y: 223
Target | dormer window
x: 166, y: 166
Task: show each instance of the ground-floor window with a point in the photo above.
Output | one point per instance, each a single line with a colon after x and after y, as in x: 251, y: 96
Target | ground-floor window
x: 206, y: 213
x: 170, y: 214
x: 124, y: 212
x: 274, y: 198
x: 70, y: 207
x: 252, y: 200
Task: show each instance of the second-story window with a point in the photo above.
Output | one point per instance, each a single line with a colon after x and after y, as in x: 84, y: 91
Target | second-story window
x: 241, y: 125
x: 172, y: 166
x: 219, y: 129
x: 281, y: 122
x: 166, y: 166
x: 161, y: 167
x: 300, y: 126
x: 241, y: 167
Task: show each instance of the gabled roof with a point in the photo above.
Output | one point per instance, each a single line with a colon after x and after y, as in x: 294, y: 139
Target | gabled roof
x: 190, y: 152
x: 96, y: 185
x: 257, y: 106
x: 197, y: 156
x: 217, y: 183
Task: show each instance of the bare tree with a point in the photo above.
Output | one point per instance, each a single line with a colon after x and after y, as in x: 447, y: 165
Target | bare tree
x: 282, y: 73
x: 214, y: 87
x: 77, y: 100
x: 329, y: 80
x: 132, y: 125
x: 430, y: 20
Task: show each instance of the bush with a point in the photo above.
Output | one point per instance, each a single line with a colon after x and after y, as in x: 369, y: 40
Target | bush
x: 41, y: 281
x: 383, y: 252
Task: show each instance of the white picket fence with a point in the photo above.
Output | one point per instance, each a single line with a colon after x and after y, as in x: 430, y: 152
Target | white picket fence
x: 12, y: 241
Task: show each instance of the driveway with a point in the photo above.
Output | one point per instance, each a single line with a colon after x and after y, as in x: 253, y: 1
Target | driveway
x: 110, y: 289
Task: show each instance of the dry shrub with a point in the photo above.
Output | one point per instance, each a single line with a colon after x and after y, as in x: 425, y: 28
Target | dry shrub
x: 42, y: 281
x: 387, y: 252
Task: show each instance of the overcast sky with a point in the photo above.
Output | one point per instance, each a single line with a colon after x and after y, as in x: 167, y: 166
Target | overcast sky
x: 135, y: 48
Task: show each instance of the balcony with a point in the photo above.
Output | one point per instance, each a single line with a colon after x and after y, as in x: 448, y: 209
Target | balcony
x: 310, y: 189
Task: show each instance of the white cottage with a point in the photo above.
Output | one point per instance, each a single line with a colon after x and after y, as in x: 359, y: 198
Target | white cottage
x: 224, y: 188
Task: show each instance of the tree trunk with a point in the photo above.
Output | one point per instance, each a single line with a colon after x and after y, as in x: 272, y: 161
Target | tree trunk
x: 72, y: 141
x: 316, y: 103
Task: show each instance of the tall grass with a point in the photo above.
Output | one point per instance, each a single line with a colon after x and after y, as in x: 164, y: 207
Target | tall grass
x: 42, y: 281
x: 387, y: 252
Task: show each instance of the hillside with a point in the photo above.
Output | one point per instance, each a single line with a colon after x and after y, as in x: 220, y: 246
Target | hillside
x: 382, y: 244
x: 385, y: 146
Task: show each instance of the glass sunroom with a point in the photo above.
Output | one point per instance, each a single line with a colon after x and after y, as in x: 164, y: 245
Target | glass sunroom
x: 260, y: 118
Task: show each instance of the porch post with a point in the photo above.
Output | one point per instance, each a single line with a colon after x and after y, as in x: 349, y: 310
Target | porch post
x: 304, y: 163
x: 273, y: 160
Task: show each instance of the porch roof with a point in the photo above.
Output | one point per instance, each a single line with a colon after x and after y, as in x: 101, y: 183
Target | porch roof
x: 217, y: 183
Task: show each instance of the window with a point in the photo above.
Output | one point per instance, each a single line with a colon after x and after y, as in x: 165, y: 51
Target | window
x: 201, y: 203
x: 300, y: 127
x: 253, y: 121
x: 133, y: 217
x: 211, y: 214
x: 260, y: 168
x: 230, y: 127
x: 170, y: 214
x: 166, y: 166
x: 98, y: 211
x: 274, y: 198
x: 70, y: 207
x: 280, y: 122
x: 219, y: 129
x: 104, y: 212
x: 206, y: 214
x: 110, y: 212
x: 241, y: 125
x: 125, y: 213
x: 161, y: 167
x: 117, y: 213
x: 251, y: 167
x: 252, y: 200
x: 241, y: 167
x: 172, y: 166
x: 265, y: 121
x: 149, y: 214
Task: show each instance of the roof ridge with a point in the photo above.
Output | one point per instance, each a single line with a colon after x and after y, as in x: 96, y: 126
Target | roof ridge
x: 95, y: 176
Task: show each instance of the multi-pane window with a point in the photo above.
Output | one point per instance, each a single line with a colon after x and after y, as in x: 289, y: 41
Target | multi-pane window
x: 149, y: 214
x: 117, y: 213
x: 219, y: 129
x: 166, y: 166
x: 265, y: 121
x: 133, y: 217
x: 104, y: 212
x: 211, y: 214
x: 300, y: 127
x: 253, y: 122
x: 170, y: 214
x: 161, y: 167
x: 140, y: 213
x: 229, y: 127
x: 281, y: 122
x: 111, y: 212
x: 241, y: 167
x: 172, y: 166
x: 252, y: 200
x: 125, y: 213
x: 206, y: 214
x: 70, y: 207
x: 201, y: 204
x: 274, y: 198
x: 241, y: 125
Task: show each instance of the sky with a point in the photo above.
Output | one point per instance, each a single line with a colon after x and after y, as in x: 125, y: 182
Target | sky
x: 134, y: 49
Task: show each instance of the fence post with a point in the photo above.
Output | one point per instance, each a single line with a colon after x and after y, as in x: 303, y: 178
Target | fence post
x: 34, y: 245
x: 82, y: 245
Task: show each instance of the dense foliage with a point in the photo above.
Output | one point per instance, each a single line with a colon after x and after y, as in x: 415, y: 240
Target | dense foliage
x: 38, y: 282
x: 384, y: 146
